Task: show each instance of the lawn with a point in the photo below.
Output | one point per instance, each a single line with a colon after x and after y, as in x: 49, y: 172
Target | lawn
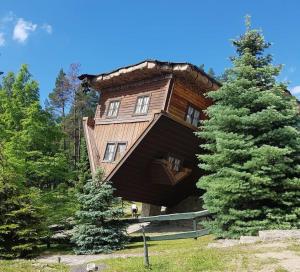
x: 186, y: 255
x: 177, y: 255
x: 191, y: 255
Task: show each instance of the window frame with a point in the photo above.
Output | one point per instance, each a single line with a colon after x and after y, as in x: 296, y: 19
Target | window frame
x: 115, y: 143
x: 192, y: 119
x: 175, y: 157
x: 136, y: 103
x: 119, y: 143
x: 107, y: 111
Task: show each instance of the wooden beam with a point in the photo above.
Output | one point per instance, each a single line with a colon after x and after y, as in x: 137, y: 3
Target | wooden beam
x: 180, y: 235
x: 169, y: 217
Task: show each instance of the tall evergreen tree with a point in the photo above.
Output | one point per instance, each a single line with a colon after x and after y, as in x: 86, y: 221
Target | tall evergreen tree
x: 84, y: 172
x: 98, y: 229
x: 211, y: 72
x: 60, y: 97
x: 59, y: 100
x: 20, y: 228
x: 252, y: 141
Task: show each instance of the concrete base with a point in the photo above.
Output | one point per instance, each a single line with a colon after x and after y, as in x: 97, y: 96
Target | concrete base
x: 150, y: 210
x: 190, y: 204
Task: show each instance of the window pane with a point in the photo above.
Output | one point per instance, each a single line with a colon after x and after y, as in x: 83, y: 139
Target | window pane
x: 142, y: 105
x: 139, y: 105
x: 189, y: 115
x: 113, y: 108
x: 145, y: 104
x: 196, y: 118
x: 120, y: 150
x: 176, y: 164
x: 116, y: 108
x: 109, y: 152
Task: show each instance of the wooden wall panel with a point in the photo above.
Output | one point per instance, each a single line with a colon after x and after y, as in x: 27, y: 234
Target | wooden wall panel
x: 157, y: 89
x: 124, y: 132
x: 182, y: 96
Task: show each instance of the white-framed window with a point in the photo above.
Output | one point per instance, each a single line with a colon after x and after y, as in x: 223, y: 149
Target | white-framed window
x: 113, y: 108
x: 121, y: 147
x: 192, y: 116
x: 142, y: 104
x: 114, y: 151
x: 109, y: 152
x: 174, y: 163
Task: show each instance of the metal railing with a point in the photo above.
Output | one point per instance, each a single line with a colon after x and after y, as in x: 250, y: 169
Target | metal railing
x: 194, y: 216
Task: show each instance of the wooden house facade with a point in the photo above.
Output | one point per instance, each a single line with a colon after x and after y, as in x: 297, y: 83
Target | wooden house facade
x: 142, y: 134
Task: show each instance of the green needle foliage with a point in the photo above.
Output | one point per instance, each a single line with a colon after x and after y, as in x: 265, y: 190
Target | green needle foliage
x: 252, y: 144
x: 98, y: 229
x: 20, y: 228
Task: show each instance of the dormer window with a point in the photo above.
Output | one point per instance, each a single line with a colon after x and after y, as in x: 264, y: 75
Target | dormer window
x: 192, y: 116
x: 113, y: 108
x: 142, y: 105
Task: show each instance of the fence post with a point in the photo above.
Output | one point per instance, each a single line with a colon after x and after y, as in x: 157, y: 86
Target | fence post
x: 195, y: 227
x: 146, y: 257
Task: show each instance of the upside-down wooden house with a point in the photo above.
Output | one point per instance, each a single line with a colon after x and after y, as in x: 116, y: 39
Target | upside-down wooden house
x: 142, y: 134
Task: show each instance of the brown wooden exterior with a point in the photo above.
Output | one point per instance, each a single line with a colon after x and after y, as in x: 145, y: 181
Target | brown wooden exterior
x: 143, y: 173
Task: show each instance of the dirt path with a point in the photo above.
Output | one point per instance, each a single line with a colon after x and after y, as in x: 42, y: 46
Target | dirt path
x: 78, y: 263
x: 73, y: 260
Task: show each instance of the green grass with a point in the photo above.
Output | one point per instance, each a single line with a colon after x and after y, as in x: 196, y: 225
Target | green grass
x: 180, y: 255
x: 294, y: 247
x: 30, y: 266
x: 186, y: 255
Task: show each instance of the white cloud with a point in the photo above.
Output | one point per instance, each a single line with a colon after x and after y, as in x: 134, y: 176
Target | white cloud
x: 22, y: 30
x: 295, y: 90
x: 2, y: 39
x: 47, y: 28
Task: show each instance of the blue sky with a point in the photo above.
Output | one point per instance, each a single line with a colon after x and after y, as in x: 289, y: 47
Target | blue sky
x: 104, y: 35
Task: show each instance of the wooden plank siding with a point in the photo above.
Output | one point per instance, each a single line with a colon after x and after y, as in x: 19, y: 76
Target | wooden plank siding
x: 132, y: 178
x: 127, y: 95
x: 182, y: 96
x: 126, y: 127
x: 125, y: 132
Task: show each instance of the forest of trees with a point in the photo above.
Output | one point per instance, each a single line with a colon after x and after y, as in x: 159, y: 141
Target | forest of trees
x: 43, y: 160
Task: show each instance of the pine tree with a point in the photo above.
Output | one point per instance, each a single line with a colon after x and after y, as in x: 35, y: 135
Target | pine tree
x: 59, y: 100
x: 20, y: 228
x: 211, y: 72
x: 98, y: 229
x: 252, y: 144
x: 84, y: 172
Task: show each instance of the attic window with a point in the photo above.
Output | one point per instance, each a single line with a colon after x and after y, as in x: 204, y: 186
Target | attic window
x: 114, y: 151
x: 142, y: 105
x: 192, y: 116
x: 174, y: 163
x: 113, y: 108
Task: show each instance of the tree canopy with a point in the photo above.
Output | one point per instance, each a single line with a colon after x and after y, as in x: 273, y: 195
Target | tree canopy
x: 251, y: 150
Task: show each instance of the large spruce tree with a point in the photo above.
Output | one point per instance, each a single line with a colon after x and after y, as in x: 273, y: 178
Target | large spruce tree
x: 252, y: 146
x: 99, y: 228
